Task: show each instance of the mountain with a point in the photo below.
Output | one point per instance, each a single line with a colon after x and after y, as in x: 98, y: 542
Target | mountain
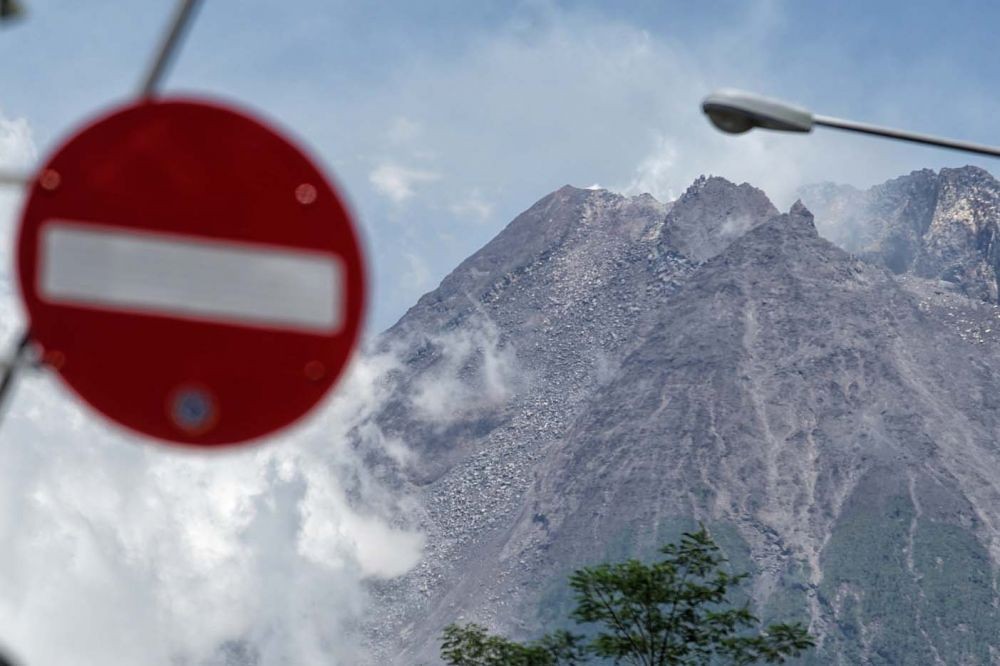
x: 934, y: 225
x: 608, y: 371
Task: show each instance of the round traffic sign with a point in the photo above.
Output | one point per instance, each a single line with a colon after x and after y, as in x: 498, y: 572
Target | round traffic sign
x: 190, y: 273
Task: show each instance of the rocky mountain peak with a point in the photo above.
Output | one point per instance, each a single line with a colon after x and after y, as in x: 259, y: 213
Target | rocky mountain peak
x: 968, y: 174
x: 570, y: 221
x: 966, y: 197
x: 711, y: 214
x: 786, y: 245
x: 960, y: 242
x: 799, y: 209
x: 940, y: 225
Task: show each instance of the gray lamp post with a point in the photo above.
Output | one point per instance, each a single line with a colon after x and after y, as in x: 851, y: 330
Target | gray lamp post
x: 735, y: 112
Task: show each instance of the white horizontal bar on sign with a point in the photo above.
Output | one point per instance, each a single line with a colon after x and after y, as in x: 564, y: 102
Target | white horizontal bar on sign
x: 190, y: 278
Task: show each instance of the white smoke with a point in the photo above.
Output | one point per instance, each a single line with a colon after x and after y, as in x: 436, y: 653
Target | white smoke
x: 126, y: 552
x: 475, y: 372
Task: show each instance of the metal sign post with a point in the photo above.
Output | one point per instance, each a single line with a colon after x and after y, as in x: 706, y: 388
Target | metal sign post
x: 171, y: 38
x: 12, y: 367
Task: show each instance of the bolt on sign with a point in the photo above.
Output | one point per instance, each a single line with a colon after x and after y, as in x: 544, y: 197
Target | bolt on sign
x: 190, y: 273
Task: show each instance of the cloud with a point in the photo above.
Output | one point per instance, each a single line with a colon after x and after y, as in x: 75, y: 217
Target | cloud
x: 18, y: 154
x: 476, y: 371
x: 125, y: 552
x: 735, y: 226
x: 654, y: 173
x: 398, y: 182
x: 17, y: 148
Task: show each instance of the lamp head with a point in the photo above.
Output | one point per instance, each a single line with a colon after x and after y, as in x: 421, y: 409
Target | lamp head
x: 735, y: 112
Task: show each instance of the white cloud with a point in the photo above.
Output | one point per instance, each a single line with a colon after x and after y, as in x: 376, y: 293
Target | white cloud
x: 397, y: 182
x: 654, y: 174
x: 125, y: 552
x: 735, y: 226
x: 18, y: 154
x: 476, y: 372
x: 17, y: 149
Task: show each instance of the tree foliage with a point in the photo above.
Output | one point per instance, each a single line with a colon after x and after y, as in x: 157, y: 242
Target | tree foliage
x: 471, y: 645
x: 674, y: 611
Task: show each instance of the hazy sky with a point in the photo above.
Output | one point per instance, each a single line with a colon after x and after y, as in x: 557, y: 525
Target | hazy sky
x: 441, y: 121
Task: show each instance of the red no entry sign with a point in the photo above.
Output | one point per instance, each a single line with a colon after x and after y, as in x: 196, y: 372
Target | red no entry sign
x: 190, y: 273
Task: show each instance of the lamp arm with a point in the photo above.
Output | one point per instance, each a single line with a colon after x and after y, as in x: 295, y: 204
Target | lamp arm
x: 864, y: 128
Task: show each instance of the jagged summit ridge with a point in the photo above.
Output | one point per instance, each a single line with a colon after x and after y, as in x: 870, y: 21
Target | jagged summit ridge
x: 711, y: 213
x: 798, y: 208
x: 935, y: 225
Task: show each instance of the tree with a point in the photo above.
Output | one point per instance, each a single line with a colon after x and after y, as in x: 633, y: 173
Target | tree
x: 674, y: 611
x: 470, y: 645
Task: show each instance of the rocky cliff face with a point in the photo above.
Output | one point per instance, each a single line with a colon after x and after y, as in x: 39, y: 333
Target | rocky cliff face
x: 934, y: 225
x: 610, y: 370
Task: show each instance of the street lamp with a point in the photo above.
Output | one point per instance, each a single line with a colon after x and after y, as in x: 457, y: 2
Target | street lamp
x: 735, y: 112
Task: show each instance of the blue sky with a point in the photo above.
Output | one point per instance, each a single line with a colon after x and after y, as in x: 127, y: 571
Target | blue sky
x: 443, y: 120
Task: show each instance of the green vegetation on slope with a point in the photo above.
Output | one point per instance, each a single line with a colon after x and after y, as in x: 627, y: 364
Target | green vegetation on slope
x: 676, y: 610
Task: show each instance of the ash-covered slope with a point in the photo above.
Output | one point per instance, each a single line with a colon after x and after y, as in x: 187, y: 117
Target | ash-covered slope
x: 620, y: 370
x: 935, y: 225
x: 803, y: 405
